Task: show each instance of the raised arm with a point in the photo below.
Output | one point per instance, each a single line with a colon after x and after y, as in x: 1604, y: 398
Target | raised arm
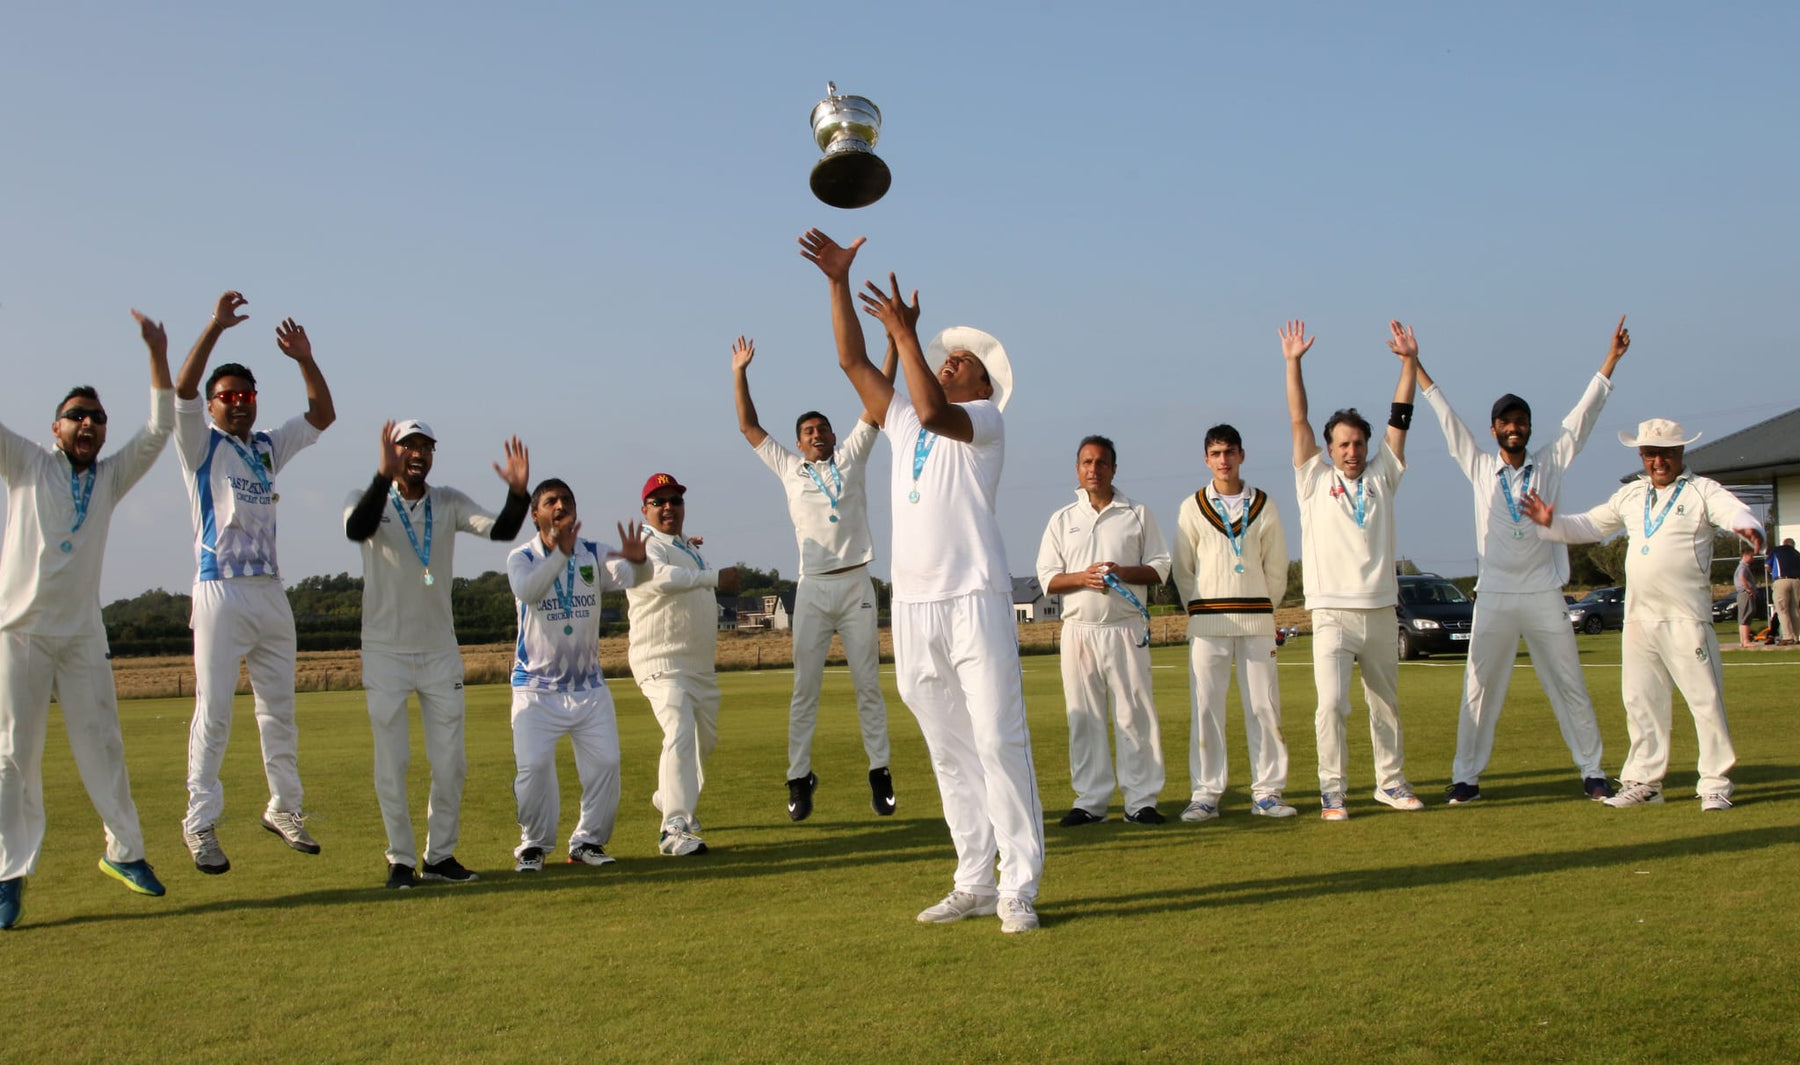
x: 187, y: 383
x: 365, y: 517
x: 1621, y: 342
x: 741, y: 354
x: 142, y: 450
x: 934, y: 408
x: 1405, y: 345
x: 834, y: 261
x: 517, y: 475
x: 290, y: 337
x: 890, y: 362
x: 158, y: 342
x: 1294, y: 346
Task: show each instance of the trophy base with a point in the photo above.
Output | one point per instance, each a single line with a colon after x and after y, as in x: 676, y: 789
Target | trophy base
x: 850, y: 179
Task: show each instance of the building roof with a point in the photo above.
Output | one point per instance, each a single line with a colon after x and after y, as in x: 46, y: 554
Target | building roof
x: 1767, y: 449
x: 1026, y: 590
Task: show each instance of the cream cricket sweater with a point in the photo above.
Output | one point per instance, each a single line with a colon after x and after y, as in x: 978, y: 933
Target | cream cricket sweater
x: 1220, y: 600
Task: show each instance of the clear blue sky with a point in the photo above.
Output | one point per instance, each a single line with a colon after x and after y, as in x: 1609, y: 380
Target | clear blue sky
x: 553, y: 219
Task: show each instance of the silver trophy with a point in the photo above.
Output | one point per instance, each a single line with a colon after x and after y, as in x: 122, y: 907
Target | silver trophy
x: 850, y: 174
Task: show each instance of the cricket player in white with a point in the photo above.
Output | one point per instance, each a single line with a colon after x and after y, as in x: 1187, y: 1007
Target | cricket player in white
x: 1102, y: 553
x: 829, y: 509
x: 59, y: 508
x: 673, y: 650
x: 558, y: 690
x: 240, y: 610
x: 409, y: 637
x: 1347, y: 555
x: 955, y: 641
x: 1672, y: 517
x: 1521, y: 578
x: 1231, y: 569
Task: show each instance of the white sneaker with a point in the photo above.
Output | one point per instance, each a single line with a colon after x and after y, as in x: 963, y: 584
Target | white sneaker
x: 1199, y: 811
x: 680, y: 839
x: 1400, y: 798
x: 1631, y: 794
x: 1718, y: 800
x: 290, y: 825
x: 960, y: 904
x: 1016, y: 915
x: 1331, y: 806
x: 209, y: 857
x: 1272, y: 806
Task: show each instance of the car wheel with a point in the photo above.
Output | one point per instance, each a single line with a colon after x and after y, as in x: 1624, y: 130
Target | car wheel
x: 1409, y: 649
x: 1592, y: 625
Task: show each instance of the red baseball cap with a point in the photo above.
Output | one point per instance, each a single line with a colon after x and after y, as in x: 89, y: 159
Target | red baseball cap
x: 660, y: 481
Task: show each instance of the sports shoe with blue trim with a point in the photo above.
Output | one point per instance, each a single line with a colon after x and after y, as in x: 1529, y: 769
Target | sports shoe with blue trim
x: 1272, y: 806
x: 1400, y: 798
x: 138, y: 876
x: 1331, y: 806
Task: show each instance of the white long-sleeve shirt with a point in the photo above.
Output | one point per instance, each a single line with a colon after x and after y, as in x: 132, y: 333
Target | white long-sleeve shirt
x: 44, y: 589
x: 674, y: 614
x: 1079, y: 536
x: 1668, y: 565
x: 555, y: 592
x: 1512, y: 558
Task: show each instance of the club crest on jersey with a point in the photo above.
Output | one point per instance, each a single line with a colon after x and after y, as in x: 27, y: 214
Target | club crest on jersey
x: 268, y: 459
x: 587, y: 574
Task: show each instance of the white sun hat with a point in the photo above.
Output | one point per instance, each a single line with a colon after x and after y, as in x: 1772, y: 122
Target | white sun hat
x: 1658, y: 432
x: 982, y: 346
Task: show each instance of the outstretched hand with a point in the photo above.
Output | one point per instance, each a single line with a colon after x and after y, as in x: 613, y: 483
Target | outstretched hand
x: 225, y: 311
x: 154, y: 337
x: 741, y: 353
x: 517, y: 471
x: 830, y: 257
x: 1621, y: 340
x: 1403, y: 343
x: 1294, y: 341
x: 1533, y: 506
x: 631, y: 544
x: 889, y: 309
x: 392, y: 454
x: 290, y: 337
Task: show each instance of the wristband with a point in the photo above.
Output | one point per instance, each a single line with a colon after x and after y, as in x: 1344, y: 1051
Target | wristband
x: 1400, y: 416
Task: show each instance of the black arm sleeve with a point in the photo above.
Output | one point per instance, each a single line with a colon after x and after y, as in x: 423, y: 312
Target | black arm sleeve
x: 366, y: 517
x: 511, y: 517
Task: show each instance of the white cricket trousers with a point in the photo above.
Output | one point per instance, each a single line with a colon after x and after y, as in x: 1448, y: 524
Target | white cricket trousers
x: 1660, y: 656
x: 245, y: 618
x: 1210, y: 659
x: 1097, y: 659
x: 541, y: 718
x: 958, y: 665
x: 843, y: 603
x: 1370, y: 639
x: 686, y: 705
x: 436, y: 677
x: 78, y: 670
x: 1542, y: 618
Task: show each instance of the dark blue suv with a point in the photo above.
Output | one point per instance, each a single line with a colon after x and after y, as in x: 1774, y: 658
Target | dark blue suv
x: 1600, y: 609
x: 1436, y: 617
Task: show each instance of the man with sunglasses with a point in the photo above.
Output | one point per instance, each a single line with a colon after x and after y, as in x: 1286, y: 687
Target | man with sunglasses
x: 407, y: 529
x: 240, y: 609
x: 826, y: 503
x: 1102, y: 554
x: 60, y: 504
x: 673, y: 647
x: 955, y: 640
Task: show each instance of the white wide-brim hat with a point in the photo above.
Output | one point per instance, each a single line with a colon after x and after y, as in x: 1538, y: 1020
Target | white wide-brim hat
x: 1658, y: 432
x: 414, y: 427
x: 982, y: 346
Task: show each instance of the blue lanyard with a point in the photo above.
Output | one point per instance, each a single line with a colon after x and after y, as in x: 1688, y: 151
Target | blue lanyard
x: 1650, y: 527
x: 565, y: 598
x: 921, y: 451
x: 837, y: 481
x: 82, y: 494
x: 1113, y: 582
x: 251, y: 459
x: 1506, y: 491
x: 690, y: 552
x: 1235, y: 536
x: 1359, y: 498
x: 424, y: 553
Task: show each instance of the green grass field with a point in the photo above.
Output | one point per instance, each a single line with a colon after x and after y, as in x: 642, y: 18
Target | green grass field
x: 1531, y: 926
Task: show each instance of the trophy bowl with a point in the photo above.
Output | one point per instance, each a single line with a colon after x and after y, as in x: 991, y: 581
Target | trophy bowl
x: 850, y: 174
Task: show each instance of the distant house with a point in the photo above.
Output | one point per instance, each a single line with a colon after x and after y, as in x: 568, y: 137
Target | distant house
x: 774, y: 612
x: 728, y: 617
x: 1762, y: 465
x: 1031, y: 604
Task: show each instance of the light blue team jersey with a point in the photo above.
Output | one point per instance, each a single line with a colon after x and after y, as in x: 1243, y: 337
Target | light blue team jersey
x: 558, y: 599
x: 232, y: 502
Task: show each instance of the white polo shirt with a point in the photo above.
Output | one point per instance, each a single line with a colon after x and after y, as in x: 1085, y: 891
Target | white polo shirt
x: 947, y: 544
x: 1513, y: 558
x: 400, y: 612
x: 1079, y: 536
x: 44, y: 589
x: 830, y: 537
x: 554, y: 592
x: 231, y: 501
x: 1347, y: 565
x: 674, y: 613
x: 1668, y: 571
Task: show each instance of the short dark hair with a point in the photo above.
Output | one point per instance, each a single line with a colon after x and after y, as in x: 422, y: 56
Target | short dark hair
x: 78, y: 392
x: 1347, y: 416
x: 229, y: 369
x: 1223, y: 434
x: 807, y: 417
x: 550, y: 484
x: 1112, y: 453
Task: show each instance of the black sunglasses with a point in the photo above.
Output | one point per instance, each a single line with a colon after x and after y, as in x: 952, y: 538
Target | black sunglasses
x: 78, y: 414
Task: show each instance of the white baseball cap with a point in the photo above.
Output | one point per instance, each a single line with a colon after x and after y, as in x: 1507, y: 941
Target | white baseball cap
x: 1658, y: 432
x: 414, y: 427
x: 982, y: 346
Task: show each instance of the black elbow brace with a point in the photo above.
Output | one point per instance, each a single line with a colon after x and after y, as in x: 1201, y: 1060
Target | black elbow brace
x: 1400, y: 416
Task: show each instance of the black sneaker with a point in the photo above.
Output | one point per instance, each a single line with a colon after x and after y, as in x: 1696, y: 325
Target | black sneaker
x: 1597, y: 788
x: 400, y: 877
x: 1077, y: 817
x: 881, y: 792
x: 1459, y: 793
x: 449, y: 870
x: 800, y: 792
x: 1149, y: 815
